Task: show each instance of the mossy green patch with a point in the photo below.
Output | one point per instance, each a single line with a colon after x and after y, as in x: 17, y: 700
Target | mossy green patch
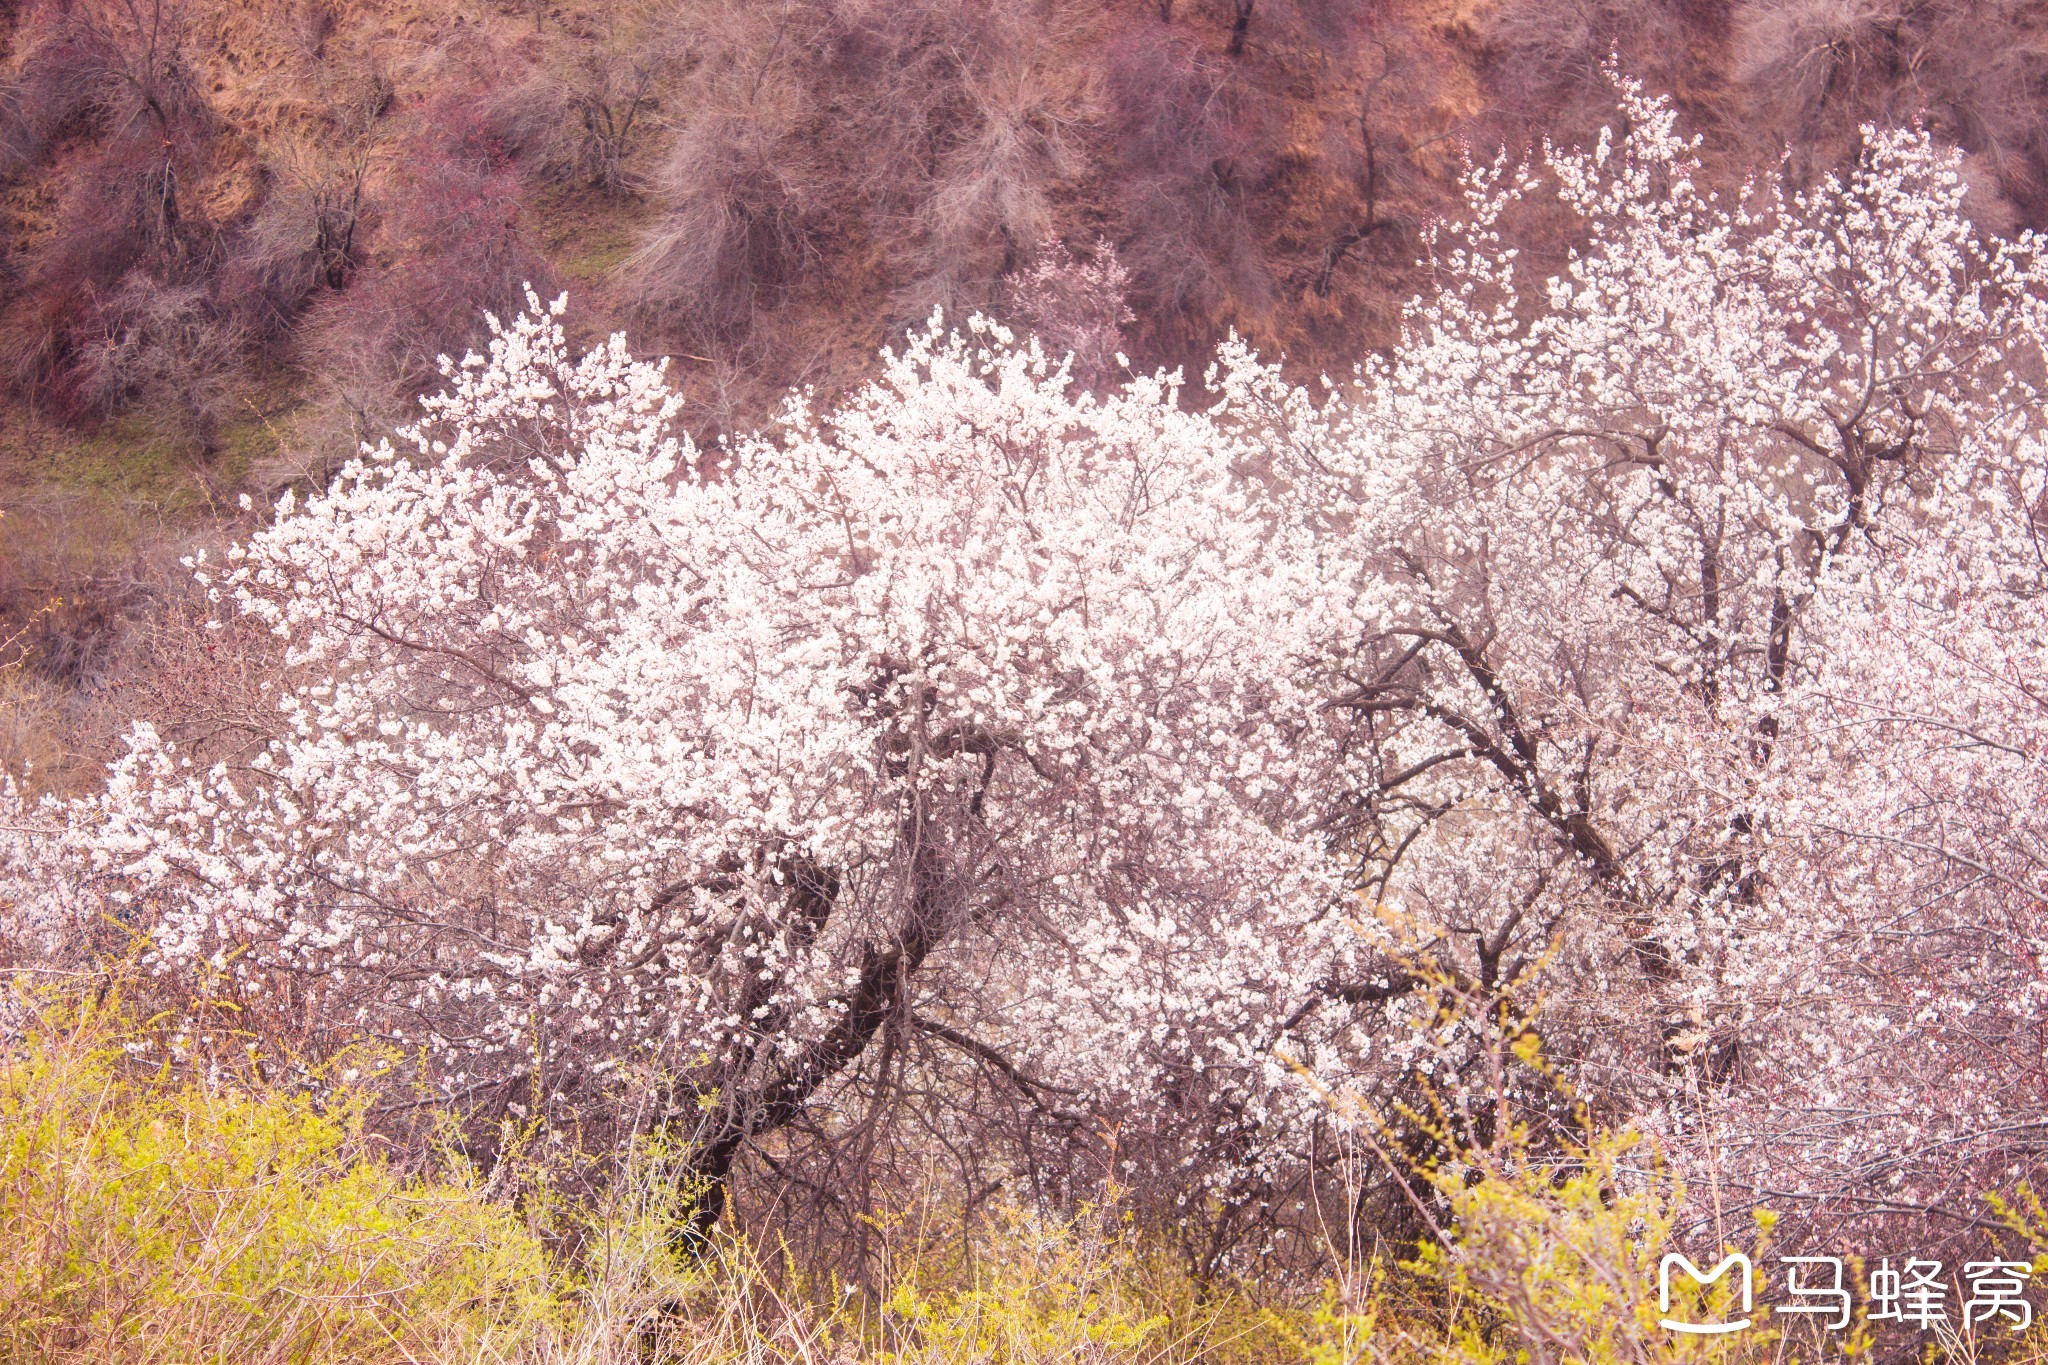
x: 587, y: 236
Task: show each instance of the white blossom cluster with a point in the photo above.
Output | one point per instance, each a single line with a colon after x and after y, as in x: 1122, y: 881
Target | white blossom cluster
x: 1702, y: 633
x: 40, y: 917
x: 600, y: 749
x: 1661, y: 641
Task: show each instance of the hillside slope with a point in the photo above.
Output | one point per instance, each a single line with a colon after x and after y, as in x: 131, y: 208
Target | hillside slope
x: 234, y: 236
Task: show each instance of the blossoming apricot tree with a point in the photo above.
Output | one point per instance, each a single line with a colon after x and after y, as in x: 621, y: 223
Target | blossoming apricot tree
x: 601, y: 750
x: 1700, y: 611
x: 1660, y: 644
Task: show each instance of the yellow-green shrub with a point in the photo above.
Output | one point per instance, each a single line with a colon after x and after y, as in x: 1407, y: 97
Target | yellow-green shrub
x: 1557, y: 1259
x: 1040, y: 1292
x: 145, y: 1219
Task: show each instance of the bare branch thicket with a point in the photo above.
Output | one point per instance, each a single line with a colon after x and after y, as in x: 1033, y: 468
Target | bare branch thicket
x: 450, y: 245
x: 117, y: 71
x: 1192, y: 151
x: 310, y: 232
x: 1971, y: 72
x: 742, y: 186
x: 580, y: 116
x: 1011, y: 134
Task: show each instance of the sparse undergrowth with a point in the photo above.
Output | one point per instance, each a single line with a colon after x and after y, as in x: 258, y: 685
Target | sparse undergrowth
x: 150, y: 1215
x: 152, y: 1218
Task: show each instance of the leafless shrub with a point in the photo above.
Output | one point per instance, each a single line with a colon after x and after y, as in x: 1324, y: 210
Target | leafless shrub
x: 119, y: 66
x: 310, y: 230
x: 1011, y: 141
x: 1971, y: 71
x: 116, y: 73
x: 1191, y: 153
x: 742, y: 188
x: 922, y: 145
x: 451, y: 248
x: 307, y: 234
x: 53, y: 90
x: 166, y: 347
x: 313, y: 23
x: 579, y: 119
